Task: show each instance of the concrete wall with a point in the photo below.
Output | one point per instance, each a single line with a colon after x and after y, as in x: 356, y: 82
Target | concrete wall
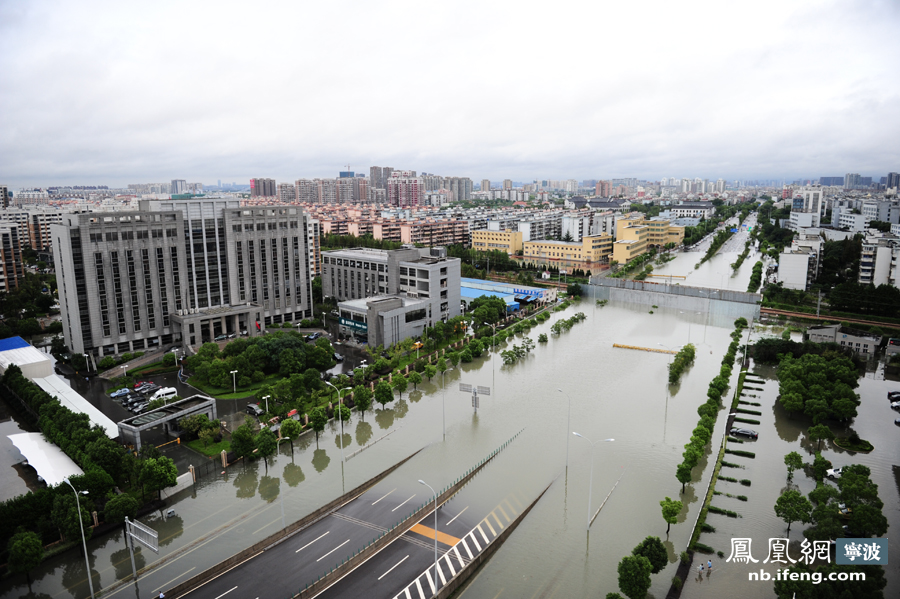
x: 183, y: 482
x: 730, y: 304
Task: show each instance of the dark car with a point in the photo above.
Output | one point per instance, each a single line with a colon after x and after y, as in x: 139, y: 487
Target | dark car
x: 254, y: 410
x: 313, y: 336
x: 894, y: 395
x: 746, y: 432
x: 221, y: 337
x: 338, y: 357
x: 150, y: 389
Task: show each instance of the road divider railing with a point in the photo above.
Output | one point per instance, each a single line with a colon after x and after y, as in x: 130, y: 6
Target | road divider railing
x: 398, y: 529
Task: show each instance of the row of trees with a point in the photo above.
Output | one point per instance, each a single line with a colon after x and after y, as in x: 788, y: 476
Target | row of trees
x: 683, y: 359
x: 51, y: 512
x: 755, y: 277
x: 648, y: 557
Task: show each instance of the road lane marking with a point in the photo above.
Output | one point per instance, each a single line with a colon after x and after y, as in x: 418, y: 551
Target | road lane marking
x: 333, y: 550
x: 475, y: 541
x: 165, y: 584
x: 456, y: 516
x: 406, y: 590
x: 430, y: 582
x: 466, y: 547
x: 419, y: 587
x: 311, y: 542
x: 500, y: 524
x: 264, y: 526
x: 441, y: 574
x: 226, y: 592
x: 402, y: 504
x: 431, y: 533
x: 505, y: 515
x: 484, y: 536
x: 450, y: 565
x: 392, y: 567
x: 493, y: 532
x: 511, y: 508
x: 383, y: 496
x: 459, y: 557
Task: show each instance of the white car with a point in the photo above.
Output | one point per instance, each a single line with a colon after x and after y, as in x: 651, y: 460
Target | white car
x: 834, y: 472
x: 895, y: 405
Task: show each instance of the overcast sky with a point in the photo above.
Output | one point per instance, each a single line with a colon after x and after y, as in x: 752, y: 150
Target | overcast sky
x: 131, y: 92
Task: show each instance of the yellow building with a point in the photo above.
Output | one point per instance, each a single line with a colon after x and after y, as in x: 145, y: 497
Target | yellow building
x: 592, y: 248
x: 636, y: 235
x: 504, y: 241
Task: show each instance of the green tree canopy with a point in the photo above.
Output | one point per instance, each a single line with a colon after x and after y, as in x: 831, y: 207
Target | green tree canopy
x: 655, y: 552
x: 120, y: 507
x: 400, y: 384
x: 362, y: 398
x: 25, y: 552
x: 383, y: 393
x: 793, y: 460
x: 670, y: 510
x: 290, y: 430
x: 157, y: 473
x: 634, y: 576
x: 242, y: 439
x: 818, y: 433
x: 266, y: 445
x: 793, y: 507
x: 318, y: 418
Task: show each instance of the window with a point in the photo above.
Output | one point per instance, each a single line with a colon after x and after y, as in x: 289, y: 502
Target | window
x: 415, y: 315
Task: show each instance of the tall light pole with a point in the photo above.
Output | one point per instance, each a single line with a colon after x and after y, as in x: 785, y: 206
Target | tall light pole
x: 436, y: 583
x: 234, y: 381
x: 591, y: 487
x: 568, y: 423
x: 124, y: 368
x: 340, y: 416
x: 266, y: 398
x: 84, y: 544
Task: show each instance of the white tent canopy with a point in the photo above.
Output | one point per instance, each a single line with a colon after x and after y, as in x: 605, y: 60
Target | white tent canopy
x: 51, y: 463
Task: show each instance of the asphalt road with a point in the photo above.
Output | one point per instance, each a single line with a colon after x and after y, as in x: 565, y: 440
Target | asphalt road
x: 405, y: 569
x: 302, y: 559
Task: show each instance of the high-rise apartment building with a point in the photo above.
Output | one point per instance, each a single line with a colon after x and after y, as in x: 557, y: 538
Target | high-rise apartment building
x: 287, y: 193
x: 262, y: 188
x: 352, y: 190
x: 485, y: 185
x: 851, y: 181
x: 720, y: 186
x: 180, y: 271
x: 12, y: 271
x: 603, y: 189
x: 4, y: 196
x: 460, y: 188
x: 405, y: 189
x: 507, y: 184
x: 306, y: 191
x: 178, y: 186
x: 892, y: 181
x: 376, y: 177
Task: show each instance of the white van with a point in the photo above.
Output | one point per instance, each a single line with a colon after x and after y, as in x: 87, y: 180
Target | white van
x: 165, y: 393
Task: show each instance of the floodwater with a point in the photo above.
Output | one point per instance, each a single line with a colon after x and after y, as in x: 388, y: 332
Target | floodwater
x: 780, y: 434
x: 576, y: 382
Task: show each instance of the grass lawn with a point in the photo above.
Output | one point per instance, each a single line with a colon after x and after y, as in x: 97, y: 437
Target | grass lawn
x: 153, y: 368
x: 223, y: 393
x: 212, y: 450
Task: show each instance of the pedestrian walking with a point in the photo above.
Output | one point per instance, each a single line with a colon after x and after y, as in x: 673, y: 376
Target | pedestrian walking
x: 709, y: 565
x: 701, y: 569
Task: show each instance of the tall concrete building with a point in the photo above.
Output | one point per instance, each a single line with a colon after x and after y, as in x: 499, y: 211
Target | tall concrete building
x: 460, y: 188
x: 720, y: 185
x: 405, y: 189
x: 603, y: 189
x: 352, y: 190
x: 485, y: 185
x: 4, y: 196
x: 12, y: 271
x: 262, y: 188
x: 180, y: 271
x: 892, y: 181
x: 287, y: 193
x: 507, y: 184
x: 306, y: 191
x: 178, y: 186
x: 376, y: 177
x: 392, y: 295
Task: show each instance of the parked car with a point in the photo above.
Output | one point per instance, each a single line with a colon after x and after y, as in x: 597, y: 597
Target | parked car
x: 140, y: 388
x: 895, y: 405
x: 139, y: 383
x: 120, y: 392
x: 744, y: 431
x: 894, y: 395
x: 254, y: 410
x: 149, y: 389
x: 844, y: 511
x: 139, y: 407
x: 221, y: 337
x: 834, y: 472
x: 338, y: 357
x: 313, y: 336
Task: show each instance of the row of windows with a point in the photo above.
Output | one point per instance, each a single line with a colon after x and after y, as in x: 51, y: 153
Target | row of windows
x: 132, y: 235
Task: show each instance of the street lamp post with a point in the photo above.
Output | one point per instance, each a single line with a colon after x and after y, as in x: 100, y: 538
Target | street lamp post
x: 234, y: 381
x: 591, y: 486
x: 124, y: 368
x: 435, y: 534
x: 266, y: 398
x: 340, y: 416
x: 568, y: 423
x: 84, y: 544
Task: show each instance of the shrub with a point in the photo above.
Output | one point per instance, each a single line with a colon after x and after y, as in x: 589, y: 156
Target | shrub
x: 685, y: 558
x: 746, y: 454
x: 676, y: 582
x: 742, y: 497
x: 745, y: 482
x: 258, y: 376
x: 107, y: 363
x: 703, y: 548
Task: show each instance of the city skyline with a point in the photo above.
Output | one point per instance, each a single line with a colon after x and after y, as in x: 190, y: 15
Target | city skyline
x: 779, y: 90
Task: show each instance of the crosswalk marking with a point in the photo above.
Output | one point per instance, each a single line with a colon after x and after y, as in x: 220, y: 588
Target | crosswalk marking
x: 459, y: 557
x: 500, y: 524
x: 419, y: 587
x: 441, y: 574
x: 488, y: 524
x: 430, y: 581
x: 481, y: 530
x: 505, y: 515
x: 450, y: 565
x: 475, y: 541
x: 466, y: 547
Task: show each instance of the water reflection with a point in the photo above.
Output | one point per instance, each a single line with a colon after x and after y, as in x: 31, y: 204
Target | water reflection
x: 415, y: 396
x: 168, y: 529
x: 384, y: 418
x: 75, y: 580
x: 121, y: 561
x: 320, y: 460
x: 342, y: 441
x: 401, y: 408
x: 269, y: 487
x: 363, y: 433
x: 246, y: 482
x: 293, y: 475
